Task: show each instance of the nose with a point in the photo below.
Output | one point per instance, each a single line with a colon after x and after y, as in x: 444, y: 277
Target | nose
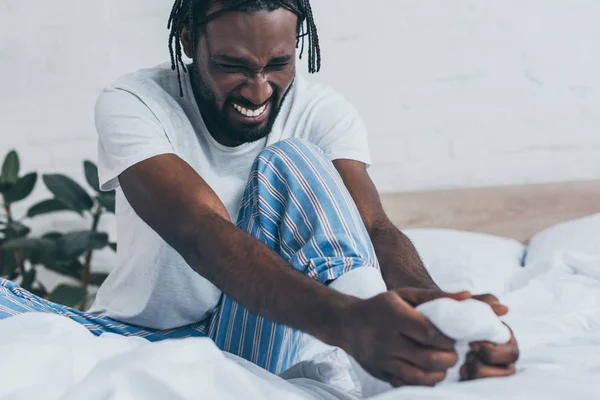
x: 257, y: 90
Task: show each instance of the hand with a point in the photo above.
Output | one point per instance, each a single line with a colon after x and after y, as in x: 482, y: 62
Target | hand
x: 394, y: 342
x: 490, y: 360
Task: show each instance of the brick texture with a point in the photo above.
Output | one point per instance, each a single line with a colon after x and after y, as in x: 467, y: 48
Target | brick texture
x: 455, y: 93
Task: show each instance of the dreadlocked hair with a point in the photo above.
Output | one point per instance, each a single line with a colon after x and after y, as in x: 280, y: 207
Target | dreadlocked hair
x: 192, y: 14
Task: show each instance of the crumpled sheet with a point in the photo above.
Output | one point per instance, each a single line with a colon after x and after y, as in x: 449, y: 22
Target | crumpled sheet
x: 555, y: 316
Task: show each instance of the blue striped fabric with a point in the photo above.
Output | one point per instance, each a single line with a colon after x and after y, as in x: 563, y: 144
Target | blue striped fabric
x: 296, y: 203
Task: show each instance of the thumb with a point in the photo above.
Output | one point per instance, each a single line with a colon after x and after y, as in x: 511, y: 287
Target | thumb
x: 499, y: 308
x: 415, y: 297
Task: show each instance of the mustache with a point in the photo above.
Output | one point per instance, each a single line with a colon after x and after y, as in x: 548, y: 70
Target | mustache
x: 248, y: 104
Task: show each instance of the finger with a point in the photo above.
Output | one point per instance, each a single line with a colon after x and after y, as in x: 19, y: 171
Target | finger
x: 475, y: 368
x: 409, y: 374
x: 499, y: 308
x: 497, y: 354
x: 395, y: 381
x: 426, y: 359
x: 418, y: 328
x: 464, y: 372
x: 416, y: 297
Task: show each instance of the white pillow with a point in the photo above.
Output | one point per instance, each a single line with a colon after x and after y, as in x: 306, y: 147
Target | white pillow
x: 459, y: 260
x: 580, y: 235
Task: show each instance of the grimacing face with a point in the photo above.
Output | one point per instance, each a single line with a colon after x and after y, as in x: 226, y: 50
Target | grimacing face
x: 243, y: 69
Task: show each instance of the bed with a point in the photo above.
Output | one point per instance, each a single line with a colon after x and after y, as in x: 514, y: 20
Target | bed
x: 537, y: 247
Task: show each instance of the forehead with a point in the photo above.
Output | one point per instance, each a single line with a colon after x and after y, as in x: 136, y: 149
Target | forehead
x: 255, y: 32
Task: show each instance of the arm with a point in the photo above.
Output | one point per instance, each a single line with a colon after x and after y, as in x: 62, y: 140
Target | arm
x: 402, y: 267
x: 181, y: 207
x: 400, y: 263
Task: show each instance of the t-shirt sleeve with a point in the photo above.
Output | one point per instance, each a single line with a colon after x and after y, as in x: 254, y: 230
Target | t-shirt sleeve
x: 338, y: 129
x: 128, y: 133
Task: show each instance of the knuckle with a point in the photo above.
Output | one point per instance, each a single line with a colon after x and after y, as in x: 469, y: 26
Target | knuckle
x: 473, y: 370
x: 395, y: 382
x: 476, y: 372
x: 429, y: 334
x: 432, y: 378
x: 514, y: 354
x: 414, y: 376
x: 440, y: 376
x: 433, y: 361
x: 487, y: 353
x: 452, y: 360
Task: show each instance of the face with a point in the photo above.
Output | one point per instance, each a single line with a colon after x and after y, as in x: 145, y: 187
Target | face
x: 244, y: 67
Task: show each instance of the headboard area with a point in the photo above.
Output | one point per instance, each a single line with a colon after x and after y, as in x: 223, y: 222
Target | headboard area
x: 512, y: 211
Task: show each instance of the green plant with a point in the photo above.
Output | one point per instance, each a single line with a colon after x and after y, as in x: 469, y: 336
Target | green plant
x: 69, y: 254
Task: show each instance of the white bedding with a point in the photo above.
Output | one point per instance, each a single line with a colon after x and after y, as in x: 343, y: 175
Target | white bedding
x: 555, y: 315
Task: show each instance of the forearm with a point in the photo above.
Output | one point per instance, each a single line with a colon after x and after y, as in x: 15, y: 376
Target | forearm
x: 182, y: 208
x: 259, y: 279
x: 400, y: 263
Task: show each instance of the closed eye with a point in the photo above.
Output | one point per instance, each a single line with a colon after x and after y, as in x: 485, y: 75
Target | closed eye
x: 230, y: 67
x: 278, y: 66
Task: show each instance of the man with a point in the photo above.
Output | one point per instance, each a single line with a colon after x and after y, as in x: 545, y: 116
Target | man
x: 245, y: 212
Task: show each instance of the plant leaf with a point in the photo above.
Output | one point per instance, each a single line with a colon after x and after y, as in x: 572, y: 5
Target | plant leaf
x: 52, y: 235
x: 36, y: 250
x: 22, y: 244
x: 107, y: 200
x: 72, y: 268
x: 74, y: 244
x: 68, y: 191
x: 98, y: 278
x: 10, y: 168
x: 67, y: 295
x: 15, y: 229
x: 21, y: 189
x: 91, y: 175
x: 50, y: 206
x: 5, y: 186
x: 39, y: 290
x: 113, y: 246
x: 8, y: 263
x: 28, y: 279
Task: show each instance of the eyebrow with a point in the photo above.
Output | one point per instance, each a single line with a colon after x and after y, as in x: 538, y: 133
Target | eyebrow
x: 242, y: 61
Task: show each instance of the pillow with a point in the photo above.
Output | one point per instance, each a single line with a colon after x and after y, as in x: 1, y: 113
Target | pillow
x: 580, y: 235
x: 459, y: 260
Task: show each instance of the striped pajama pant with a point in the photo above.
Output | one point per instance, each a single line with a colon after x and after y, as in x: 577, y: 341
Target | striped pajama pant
x: 296, y: 203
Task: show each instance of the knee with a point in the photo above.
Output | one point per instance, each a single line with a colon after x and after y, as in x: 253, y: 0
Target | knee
x: 291, y: 151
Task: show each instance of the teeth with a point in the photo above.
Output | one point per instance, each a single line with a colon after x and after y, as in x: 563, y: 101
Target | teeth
x: 250, y: 113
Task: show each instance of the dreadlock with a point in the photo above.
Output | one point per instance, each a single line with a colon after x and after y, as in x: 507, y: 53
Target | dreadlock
x: 192, y: 14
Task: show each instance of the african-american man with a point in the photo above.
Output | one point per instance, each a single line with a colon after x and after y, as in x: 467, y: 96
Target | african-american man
x: 245, y: 212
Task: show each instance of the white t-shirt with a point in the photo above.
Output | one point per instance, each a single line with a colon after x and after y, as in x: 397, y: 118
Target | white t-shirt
x: 142, y: 115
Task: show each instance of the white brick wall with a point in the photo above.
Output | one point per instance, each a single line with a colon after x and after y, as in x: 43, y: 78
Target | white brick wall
x: 454, y: 92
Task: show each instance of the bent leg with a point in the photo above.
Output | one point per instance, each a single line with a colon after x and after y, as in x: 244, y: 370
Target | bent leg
x: 296, y: 203
x: 15, y: 300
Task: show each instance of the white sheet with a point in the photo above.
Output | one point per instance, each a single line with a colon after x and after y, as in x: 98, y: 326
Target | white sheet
x: 461, y: 260
x: 555, y: 314
x: 465, y: 322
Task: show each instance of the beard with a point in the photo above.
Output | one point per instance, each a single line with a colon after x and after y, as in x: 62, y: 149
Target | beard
x: 217, y: 117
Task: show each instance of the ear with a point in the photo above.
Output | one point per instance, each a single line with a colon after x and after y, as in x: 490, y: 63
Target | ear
x: 185, y: 42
